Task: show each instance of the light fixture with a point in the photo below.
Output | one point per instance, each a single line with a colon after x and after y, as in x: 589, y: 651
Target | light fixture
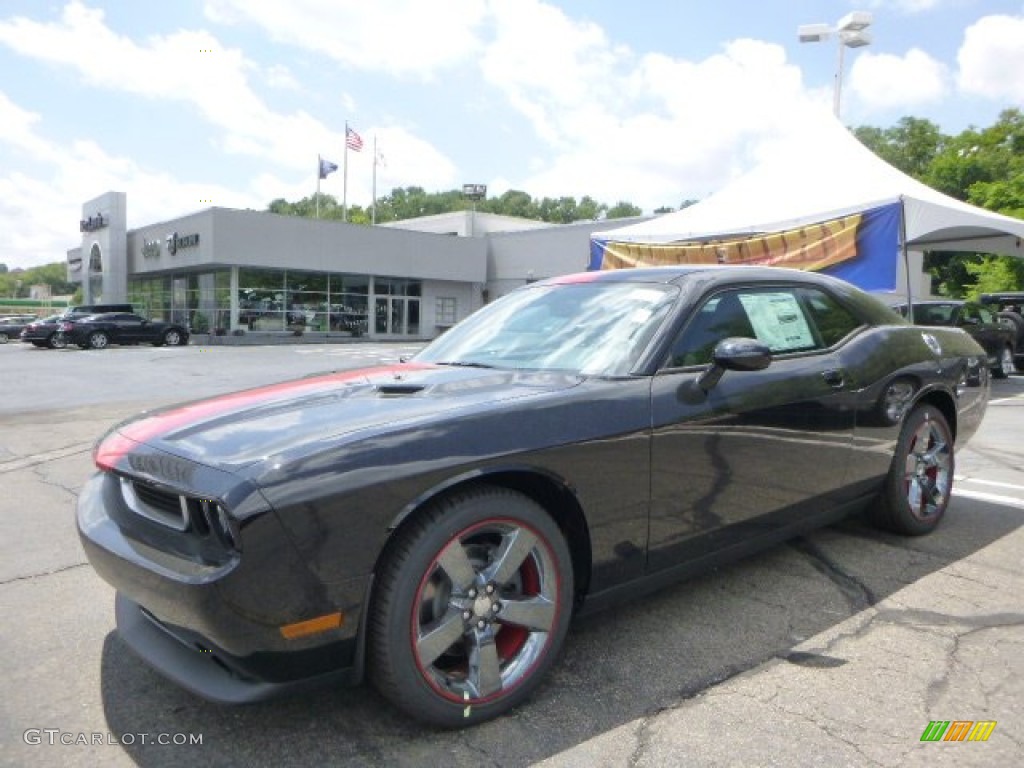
x: 850, y: 33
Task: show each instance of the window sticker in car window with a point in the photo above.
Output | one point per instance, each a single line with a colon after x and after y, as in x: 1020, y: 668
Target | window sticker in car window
x: 778, y: 321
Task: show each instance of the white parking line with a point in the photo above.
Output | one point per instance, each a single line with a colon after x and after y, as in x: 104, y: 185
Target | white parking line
x: 1010, y: 501
x: 993, y: 483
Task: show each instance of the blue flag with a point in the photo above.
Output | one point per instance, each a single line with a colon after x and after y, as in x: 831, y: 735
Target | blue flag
x: 326, y: 167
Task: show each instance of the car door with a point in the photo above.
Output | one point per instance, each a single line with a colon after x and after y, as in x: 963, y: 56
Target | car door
x: 980, y: 323
x: 127, y: 329
x: 761, y: 449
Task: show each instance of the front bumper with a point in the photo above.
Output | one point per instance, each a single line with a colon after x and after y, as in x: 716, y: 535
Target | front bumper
x: 215, y: 628
x: 191, y: 662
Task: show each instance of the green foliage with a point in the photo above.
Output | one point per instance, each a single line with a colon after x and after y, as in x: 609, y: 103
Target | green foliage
x: 21, y: 282
x: 994, y: 274
x: 412, y: 202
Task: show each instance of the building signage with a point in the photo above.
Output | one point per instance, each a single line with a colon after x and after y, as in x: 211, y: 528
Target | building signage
x: 176, y: 241
x: 91, y: 224
x: 150, y: 248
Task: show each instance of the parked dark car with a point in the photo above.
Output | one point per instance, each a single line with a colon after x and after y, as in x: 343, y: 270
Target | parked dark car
x: 44, y: 332
x: 100, y: 331
x: 998, y: 337
x: 11, y: 325
x: 1010, y: 306
x: 569, y: 446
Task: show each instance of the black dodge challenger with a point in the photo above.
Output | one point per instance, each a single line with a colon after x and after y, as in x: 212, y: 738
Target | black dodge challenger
x: 435, y: 524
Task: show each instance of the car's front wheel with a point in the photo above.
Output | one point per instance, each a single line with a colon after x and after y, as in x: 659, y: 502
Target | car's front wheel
x: 56, y: 341
x: 172, y: 338
x: 98, y: 340
x: 920, y: 478
x: 3, y: 337
x: 1005, y: 367
x: 472, y: 607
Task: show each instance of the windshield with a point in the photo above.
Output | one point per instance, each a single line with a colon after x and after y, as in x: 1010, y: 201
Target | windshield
x: 594, y: 328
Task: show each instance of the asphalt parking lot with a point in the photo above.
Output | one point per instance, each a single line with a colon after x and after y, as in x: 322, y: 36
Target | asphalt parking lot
x: 837, y: 648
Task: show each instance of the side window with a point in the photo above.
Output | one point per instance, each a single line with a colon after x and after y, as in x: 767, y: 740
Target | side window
x: 985, y: 315
x: 787, y: 319
x: 833, y: 320
x: 721, y: 316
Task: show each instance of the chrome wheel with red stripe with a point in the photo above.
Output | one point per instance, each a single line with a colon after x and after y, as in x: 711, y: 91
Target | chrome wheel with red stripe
x: 473, y: 606
x: 920, y: 479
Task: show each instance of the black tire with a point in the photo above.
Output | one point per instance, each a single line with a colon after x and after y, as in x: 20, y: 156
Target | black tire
x: 98, y: 340
x: 3, y: 338
x: 56, y: 341
x: 173, y: 338
x: 1004, y: 365
x: 920, y: 479
x: 438, y: 648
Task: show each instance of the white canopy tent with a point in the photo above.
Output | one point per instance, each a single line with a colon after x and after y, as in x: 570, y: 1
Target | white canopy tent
x: 822, y: 172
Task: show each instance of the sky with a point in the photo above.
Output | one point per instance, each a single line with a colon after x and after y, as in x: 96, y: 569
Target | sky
x: 190, y: 104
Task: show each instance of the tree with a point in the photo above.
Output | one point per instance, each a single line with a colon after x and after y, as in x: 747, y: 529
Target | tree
x: 622, y: 210
x: 412, y: 202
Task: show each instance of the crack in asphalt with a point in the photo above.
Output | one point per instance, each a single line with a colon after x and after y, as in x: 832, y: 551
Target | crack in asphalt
x: 31, y: 576
x: 36, y: 459
x: 857, y: 594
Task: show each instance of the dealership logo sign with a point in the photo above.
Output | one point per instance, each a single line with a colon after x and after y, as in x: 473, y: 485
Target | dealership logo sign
x: 93, y: 223
x: 176, y: 241
x: 150, y: 248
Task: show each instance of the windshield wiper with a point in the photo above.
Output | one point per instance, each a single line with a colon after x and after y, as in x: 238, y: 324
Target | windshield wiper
x: 464, y: 364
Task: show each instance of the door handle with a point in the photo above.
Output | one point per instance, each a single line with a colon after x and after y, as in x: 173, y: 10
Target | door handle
x: 834, y: 378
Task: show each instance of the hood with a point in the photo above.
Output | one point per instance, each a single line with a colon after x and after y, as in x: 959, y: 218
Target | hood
x: 234, y: 430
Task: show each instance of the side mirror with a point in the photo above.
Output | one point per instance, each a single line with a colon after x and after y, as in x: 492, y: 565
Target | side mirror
x: 735, y: 354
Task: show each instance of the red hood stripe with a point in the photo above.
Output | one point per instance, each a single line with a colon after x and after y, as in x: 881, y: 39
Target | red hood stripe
x: 118, y: 443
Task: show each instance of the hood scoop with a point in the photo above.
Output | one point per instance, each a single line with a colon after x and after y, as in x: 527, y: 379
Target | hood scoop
x: 397, y: 388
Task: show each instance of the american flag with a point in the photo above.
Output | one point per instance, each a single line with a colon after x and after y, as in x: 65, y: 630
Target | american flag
x: 353, y: 140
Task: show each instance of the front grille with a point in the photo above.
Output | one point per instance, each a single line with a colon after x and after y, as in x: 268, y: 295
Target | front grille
x: 202, y: 516
x: 155, y: 504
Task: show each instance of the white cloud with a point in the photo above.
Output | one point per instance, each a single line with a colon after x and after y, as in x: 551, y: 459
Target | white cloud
x: 991, y: 59
x: 187, y: 66
x: 884, y: 81
x: 654, y: 129
x: 410, y: 38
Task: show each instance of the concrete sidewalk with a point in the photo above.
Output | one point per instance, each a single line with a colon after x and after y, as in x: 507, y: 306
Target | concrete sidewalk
x: 948, y: 647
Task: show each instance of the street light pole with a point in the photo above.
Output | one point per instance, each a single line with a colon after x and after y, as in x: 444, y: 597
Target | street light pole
x: 850, y: 32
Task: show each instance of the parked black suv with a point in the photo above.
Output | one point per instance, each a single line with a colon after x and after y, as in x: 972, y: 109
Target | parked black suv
x: 995, y: 334
x: 1011, y: 312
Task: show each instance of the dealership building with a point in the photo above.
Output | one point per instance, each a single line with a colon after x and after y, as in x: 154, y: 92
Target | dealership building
x: 227, y: 270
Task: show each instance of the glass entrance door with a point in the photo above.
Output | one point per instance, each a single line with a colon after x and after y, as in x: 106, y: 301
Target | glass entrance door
x: 396, y: 316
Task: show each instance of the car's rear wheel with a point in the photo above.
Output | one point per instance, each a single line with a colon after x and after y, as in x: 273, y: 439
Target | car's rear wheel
x: 473, y: 605
x: 98, y: 340
x: 1005, y: 366
x: 920, y: 478
x: 172, y: 338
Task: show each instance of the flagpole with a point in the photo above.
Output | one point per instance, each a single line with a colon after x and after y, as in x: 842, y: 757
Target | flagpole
x: 344, y: 186
x: 319, y: 171
x: 373, y: 205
